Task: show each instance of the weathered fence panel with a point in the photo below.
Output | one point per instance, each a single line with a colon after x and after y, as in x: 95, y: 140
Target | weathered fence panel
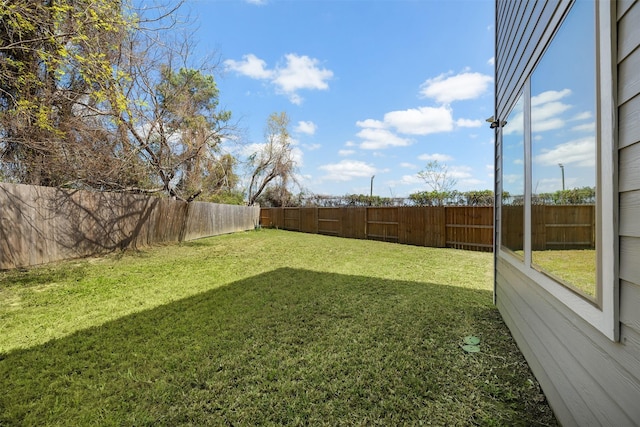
x: 354, y: 222
x: 512, y: 230
x: 329, y: 221
x: 309, y: 220
x: 41, y: 224
x: 469, y: 227
x: 570, y: 227
x: 383, y: 224
x: 460, y: 227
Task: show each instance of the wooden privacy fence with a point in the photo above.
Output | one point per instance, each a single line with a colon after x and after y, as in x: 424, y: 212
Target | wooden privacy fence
x: 460, y: 227
x: 42, y: 224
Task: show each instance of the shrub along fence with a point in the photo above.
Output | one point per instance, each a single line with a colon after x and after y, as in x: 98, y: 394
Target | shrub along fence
x: 42, y: 224
x: 460, y: 227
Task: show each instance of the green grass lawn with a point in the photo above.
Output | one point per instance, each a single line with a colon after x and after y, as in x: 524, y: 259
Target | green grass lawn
x: 574, y: 267
x: 266, y: 327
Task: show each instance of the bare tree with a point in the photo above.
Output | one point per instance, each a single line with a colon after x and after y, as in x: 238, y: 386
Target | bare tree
x: 66, y: 86
x: 436, y: 176
x: 273, y: 162
x: 57, y: 63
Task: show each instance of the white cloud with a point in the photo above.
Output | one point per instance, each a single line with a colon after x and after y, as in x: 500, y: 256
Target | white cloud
x: 306, y: 127
x: 377, y: 134
x: 250, y: 66
x: 512, y: 178
x: 490, y: 170
x: 346, y: 152
x: 298, y: 156
x: 580, y: 152
x: 410, y: 180
x: 435, y: 156
x: 586, y: 127
x: 492, y: 61
x: 547, y: 110
x: 297, y: 73
x: 585, y: 115
x: 546, y: 125
x: 408, y: 165
x: 296, y: 153
x: 302, y: 72
x: 376, y: 139
x: 256, y: 2
x: 350, y: 144
x: 250, y: 149
x: 468, y: 123
x: 312, y: 147
x: 371, y: 123
x: 346, y: 170
x: 446, y: 88
x: 459, y: 172
x: 420, y: 121
x: 549, y: 96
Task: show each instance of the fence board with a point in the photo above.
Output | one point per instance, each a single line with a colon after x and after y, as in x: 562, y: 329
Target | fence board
x: 569, y: 227
x: 383, y: 224
x: 309, y: 220
x: 469, y: 227
x: 329, y: 221
x: 354, y: 222
x: 512, y: 231
x: 40, y: 224
x: 291, y: 219
x: 460, y: 227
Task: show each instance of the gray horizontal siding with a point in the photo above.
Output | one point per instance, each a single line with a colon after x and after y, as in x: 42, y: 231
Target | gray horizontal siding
x: 629, y: 175
x: 520, y: 42
x: 629, y: 260
x: 585, y: 376
x: 628, y: 31
x: 628, y: 77
x: 629, y: 120
x: 629, y: 162
x: 628, y: 14
x: 629, y: 214
x: 622, y: 7
x: 629, y: 303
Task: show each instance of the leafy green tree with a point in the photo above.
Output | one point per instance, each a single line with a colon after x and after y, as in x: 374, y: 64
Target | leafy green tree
x: 186, y: 140
x: 58, y: 67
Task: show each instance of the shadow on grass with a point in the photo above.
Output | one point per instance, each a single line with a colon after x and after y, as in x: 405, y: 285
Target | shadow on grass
x: 286, y: 347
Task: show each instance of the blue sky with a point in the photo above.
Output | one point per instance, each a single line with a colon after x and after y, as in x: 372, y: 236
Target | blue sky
x: 371, y: 87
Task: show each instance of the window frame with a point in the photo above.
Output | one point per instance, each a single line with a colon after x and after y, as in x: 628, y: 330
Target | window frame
x: 603, y: 312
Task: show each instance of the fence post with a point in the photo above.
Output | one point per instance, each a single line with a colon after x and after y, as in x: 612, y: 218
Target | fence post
x: 366, y: 223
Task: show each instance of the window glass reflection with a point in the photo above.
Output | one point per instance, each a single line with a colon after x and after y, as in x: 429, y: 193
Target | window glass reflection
x: 563, y: 154
x: 512, y: 218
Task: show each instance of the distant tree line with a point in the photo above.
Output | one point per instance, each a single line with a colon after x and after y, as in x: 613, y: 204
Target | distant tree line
x: 576, y: 196
x: 427, y: 198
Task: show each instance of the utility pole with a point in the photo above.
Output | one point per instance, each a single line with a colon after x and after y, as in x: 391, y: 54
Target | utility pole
x: 562, y: 169
x: 371, y: 191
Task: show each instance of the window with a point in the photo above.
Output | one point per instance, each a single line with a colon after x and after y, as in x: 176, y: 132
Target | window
x: 563, y: 155
x: 512, y: 220
x: 558, y: 208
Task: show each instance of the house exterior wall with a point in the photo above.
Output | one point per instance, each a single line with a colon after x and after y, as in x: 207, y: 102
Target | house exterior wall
x: 587, y: 378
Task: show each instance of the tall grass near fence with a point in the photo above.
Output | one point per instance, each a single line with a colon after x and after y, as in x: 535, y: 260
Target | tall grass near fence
x: 41, y: 224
